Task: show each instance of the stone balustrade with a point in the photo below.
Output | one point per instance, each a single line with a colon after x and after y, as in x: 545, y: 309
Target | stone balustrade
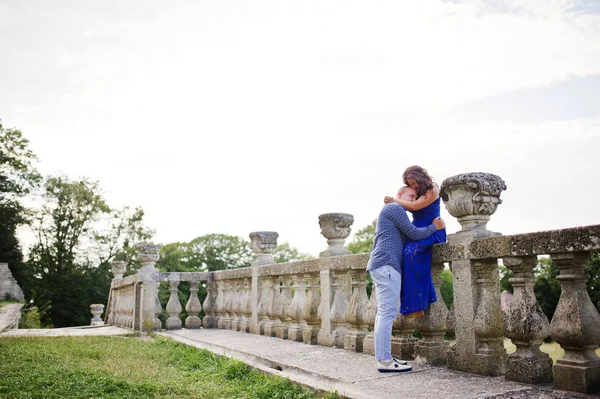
x: 324, y: 301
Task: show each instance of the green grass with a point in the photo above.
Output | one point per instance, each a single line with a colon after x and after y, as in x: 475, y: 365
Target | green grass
x: 130, y: 367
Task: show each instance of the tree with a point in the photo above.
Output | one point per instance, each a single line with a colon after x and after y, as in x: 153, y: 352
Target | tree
x: 363, y: 239
x: 77, y: 233
x: 18, y: 177
x: 286, y: 253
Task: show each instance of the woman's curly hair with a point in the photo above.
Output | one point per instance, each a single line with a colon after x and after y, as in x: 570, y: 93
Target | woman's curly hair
x: 420, y: 175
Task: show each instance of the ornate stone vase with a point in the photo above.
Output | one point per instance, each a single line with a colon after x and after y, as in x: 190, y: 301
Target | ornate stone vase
x: 97, y: 309
x: 472, y: 198
x: 336, y: 228
x: 118, y: 268
x: 263, y: 243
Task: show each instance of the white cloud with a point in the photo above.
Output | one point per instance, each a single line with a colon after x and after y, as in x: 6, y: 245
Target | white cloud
x: 220, y: 117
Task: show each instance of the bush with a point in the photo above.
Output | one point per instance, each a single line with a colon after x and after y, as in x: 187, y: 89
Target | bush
x: 30, y: 318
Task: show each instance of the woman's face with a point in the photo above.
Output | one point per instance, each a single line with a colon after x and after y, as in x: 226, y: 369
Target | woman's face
x: 412, y: 183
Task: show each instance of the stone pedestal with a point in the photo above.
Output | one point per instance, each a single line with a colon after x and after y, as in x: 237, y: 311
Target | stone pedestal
x: 472, y: 198
x: 148, y: 255
x: 262, y: 243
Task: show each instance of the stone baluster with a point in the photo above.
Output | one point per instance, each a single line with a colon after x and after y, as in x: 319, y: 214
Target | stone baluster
x: 403, y: 341
x: 132, y: 321
x: 489, y: 316
x: 266, y: 298
x: 148, y: 255
x: 193, y: 307
x: 576, y: 327
x: 311, y: 310
x: 116, y: 317
x: 355, y: 312
x: 220, y: 303
x: 286, y: 304
x: 125, y: 318
x: 274, y: 307
x: 432, y: 348
x: 225, y: 320
x: 526, y: 325
x: 297, y: 310
x: 157, y: 312
x: 209, y: 306
x: 336, y: 228
x: 472, y: 198
x: 342, y: 291
x: 262, y: 243
x: 370, y: 312
x: 173, y: 305
x: 235, y: 304
x: 246, y: 311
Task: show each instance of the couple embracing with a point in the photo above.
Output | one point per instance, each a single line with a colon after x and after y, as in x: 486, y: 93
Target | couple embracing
x: 400, y: 263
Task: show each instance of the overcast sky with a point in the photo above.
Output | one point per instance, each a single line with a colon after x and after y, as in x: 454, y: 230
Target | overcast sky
x: 240, y: 116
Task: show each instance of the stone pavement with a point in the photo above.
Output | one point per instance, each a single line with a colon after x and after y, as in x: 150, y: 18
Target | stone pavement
x: 320, y: 368
x: 354, y: 374
x: 67, y: 332
x: 10, y: 315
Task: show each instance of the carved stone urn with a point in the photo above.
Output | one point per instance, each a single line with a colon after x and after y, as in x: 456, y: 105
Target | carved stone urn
x: 148, y: 255
x: 472, y: 198
x: 263, y: 244
x: 336, y: 228
x: 118, y: 269
x: 97, y: 309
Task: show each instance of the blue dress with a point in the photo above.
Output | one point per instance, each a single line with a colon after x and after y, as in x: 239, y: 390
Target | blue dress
x: 417, y: 285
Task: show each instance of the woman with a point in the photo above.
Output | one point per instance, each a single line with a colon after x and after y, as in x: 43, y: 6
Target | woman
x: 417, y: 285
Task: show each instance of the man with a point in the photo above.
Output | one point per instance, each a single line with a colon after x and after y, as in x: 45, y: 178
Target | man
x: 384, y: 267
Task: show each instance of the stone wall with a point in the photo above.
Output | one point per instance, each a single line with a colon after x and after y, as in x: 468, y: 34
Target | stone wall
x: 8, y: 284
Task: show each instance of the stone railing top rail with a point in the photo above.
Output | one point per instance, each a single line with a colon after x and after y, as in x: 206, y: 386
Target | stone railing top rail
x: 342, y: 262
x: 125, y: 281
x: 575, y: 239
x: 192, y: 277
x: 334, y: 263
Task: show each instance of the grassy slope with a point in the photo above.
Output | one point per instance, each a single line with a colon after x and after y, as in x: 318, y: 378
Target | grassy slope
x: 128, y: 367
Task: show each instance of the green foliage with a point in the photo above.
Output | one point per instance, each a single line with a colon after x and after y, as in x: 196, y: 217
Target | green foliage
x: 127, y: 367
x: 363, y: 239
x: 546, y: 288
x: 30, y: 318
x: 214, y: 252
x: 505, y: 274
x: 18, y: 177
x: 286, y: 253
x: 77, y: 234
x: 592, y: 271
x: 446, y: 288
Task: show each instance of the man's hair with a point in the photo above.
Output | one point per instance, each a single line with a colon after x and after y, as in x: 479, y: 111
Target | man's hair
x: 404, y: 188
